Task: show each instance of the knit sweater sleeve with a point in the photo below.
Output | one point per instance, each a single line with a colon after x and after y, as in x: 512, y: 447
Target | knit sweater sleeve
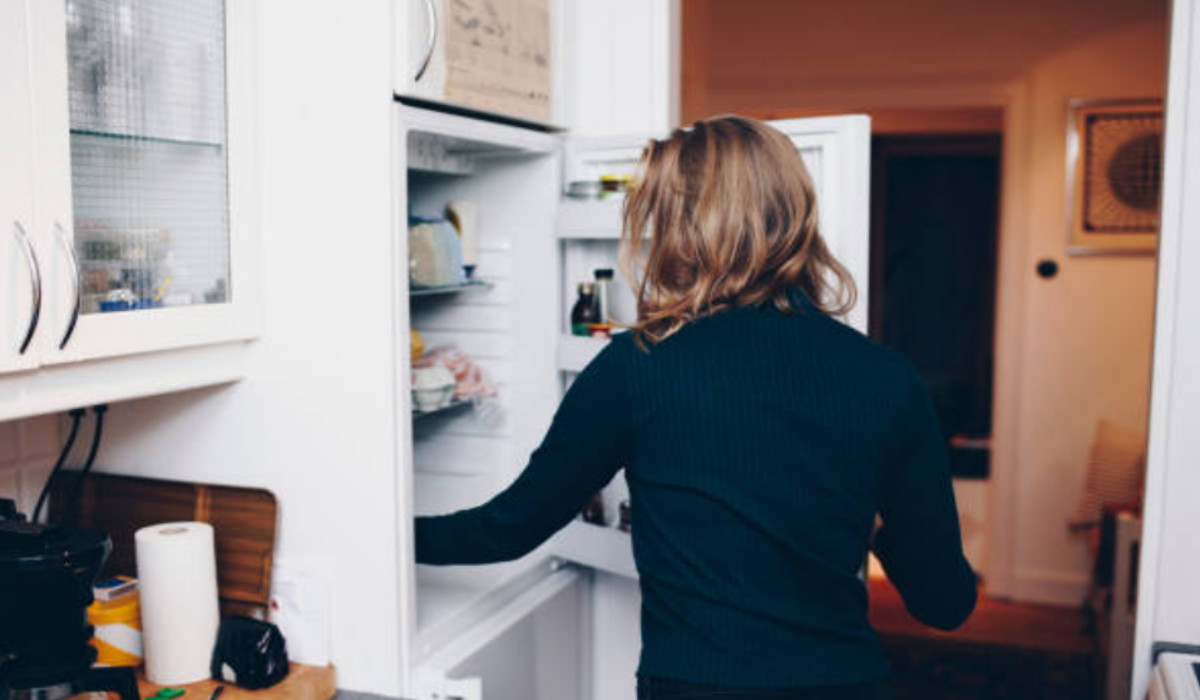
x: 586, y: 444
x: 919, y: 544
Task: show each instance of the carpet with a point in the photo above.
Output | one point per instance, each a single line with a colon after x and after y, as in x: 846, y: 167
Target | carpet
x: 940, y: 667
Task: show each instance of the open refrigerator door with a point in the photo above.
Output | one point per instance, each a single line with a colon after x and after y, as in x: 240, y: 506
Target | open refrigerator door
x: 546, y: 217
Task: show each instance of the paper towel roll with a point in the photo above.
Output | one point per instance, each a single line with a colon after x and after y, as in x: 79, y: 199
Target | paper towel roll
x: 177, y: 576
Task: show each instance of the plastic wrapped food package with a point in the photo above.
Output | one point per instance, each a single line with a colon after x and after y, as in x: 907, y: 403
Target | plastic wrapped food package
x: 470, y: 383
x: 435, y: 253
x: 469, y: 377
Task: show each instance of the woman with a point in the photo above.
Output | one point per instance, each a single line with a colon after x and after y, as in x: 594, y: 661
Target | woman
x: 760, y: 438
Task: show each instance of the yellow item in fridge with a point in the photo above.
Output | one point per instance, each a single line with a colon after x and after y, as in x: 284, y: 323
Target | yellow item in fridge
x: 418, y: 344
x: 118, y: 635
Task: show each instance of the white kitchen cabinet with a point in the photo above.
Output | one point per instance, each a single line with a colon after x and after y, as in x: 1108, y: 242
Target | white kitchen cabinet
x: 550, y: 61
x: 466, y: 625
x: 133, y: 127
x: 21, y: 283
x: 495, y: 56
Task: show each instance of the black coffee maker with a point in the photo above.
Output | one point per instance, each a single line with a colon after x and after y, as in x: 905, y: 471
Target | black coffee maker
x: 46, y: 575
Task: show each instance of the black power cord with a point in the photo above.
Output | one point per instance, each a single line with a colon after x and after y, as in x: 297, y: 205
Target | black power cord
x: 70, y: 514
x: 76, y: 416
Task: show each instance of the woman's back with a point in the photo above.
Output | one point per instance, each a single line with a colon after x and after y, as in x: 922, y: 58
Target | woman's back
x: 763, y: 444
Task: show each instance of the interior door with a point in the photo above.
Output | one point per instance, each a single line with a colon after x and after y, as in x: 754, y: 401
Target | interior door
x: 145, y: 184
x: 20, y: 278
x: 835, y: 149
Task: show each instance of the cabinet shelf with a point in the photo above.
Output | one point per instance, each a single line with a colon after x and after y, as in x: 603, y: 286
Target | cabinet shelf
x: 147, y: 139
x: 475, y: 285
x: 596, y: 546
x: 575, y: 352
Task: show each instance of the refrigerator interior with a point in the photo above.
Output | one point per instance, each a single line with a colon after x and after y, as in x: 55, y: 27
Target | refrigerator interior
x: 463, y: 457
x: 489, y: 622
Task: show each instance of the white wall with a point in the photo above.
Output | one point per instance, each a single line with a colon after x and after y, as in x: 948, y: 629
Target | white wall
x: 314, y: 420
x: 28, y: 449
x: 1085, y: 335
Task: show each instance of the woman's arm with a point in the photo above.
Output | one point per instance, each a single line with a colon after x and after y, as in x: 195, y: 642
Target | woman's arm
x: 920, y: 544
x: 586, y: 444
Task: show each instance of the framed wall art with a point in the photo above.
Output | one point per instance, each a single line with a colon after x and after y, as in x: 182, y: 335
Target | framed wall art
x: 1114, y: 169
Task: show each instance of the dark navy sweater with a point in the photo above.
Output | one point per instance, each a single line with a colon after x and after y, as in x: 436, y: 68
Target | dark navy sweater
x: 759, y: 447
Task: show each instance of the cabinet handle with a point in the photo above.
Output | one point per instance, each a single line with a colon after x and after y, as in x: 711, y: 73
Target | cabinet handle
x: 431, y: 25
x: 76, y: 283
x: 35, y: 285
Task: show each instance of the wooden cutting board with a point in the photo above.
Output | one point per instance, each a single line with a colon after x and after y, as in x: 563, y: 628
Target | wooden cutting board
x: 243, y: 521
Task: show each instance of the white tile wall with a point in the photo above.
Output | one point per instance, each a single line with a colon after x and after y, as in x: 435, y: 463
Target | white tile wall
x: 27, y: 452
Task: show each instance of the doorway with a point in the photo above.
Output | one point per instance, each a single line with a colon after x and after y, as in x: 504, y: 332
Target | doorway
x: 935, y: 202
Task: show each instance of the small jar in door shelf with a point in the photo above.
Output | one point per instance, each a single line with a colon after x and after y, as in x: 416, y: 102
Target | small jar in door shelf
x: 586, y: 312
x: 604, y: 278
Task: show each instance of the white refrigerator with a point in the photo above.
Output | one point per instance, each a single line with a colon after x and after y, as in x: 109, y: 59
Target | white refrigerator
x: 563, y: 621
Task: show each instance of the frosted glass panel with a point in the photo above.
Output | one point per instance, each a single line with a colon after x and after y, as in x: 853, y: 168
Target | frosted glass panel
x: 148, y: 155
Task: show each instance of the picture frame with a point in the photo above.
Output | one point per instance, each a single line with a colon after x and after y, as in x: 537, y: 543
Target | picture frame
x: 1114, y: 176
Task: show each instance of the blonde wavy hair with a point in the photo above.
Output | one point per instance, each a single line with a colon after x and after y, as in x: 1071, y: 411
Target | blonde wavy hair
x: 723, y: 215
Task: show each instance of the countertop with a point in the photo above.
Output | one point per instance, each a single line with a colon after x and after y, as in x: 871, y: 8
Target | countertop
x: 302, y: 683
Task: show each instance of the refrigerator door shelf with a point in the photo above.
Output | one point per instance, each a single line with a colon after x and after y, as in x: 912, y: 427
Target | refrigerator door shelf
x: 595, y: 546
x: 575, y: 352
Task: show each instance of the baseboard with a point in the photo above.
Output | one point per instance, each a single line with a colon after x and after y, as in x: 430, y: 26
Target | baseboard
x: 1049, y: 587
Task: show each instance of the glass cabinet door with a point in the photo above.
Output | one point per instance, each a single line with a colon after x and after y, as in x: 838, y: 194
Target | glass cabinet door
x: 146, y: 176
x: 149, y: 165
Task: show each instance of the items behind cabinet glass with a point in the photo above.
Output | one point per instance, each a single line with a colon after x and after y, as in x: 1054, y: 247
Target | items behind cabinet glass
x: 128, y: 269
x: 148, y: 69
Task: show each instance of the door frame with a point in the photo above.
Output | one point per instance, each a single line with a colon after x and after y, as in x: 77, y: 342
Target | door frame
x: 1168, y: 571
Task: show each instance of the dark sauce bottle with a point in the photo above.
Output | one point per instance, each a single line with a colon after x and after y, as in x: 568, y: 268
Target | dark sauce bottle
x: 586, y: 311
